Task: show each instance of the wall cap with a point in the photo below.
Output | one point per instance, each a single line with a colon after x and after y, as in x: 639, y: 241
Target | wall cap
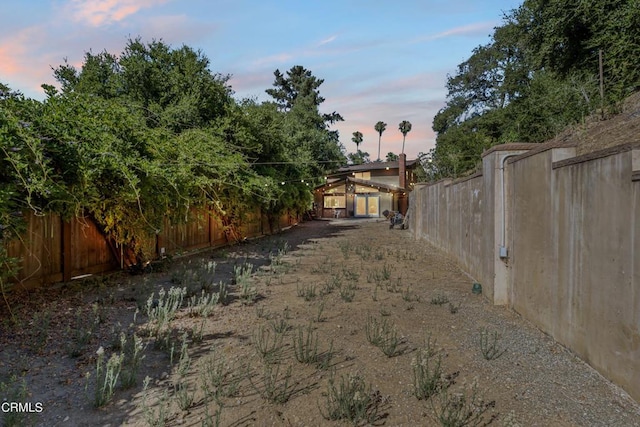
x: 541, y: 148
x: 444, y: 181
x: 607, y: 152
x: 513, y: 146
x: 467, y: 178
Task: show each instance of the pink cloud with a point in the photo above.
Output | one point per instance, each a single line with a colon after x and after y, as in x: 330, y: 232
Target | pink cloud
x: 475, y: 29
x: 175, y: 28
x: 364, y: 117
x: 103, y: 12
x: 387, y: 91
x: 9, y: 64
x: 17, y: 65
x: 273, y: 59
x: 252, y: 83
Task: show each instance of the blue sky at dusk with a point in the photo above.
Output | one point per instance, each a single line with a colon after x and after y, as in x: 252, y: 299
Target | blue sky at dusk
x: 380, y: 60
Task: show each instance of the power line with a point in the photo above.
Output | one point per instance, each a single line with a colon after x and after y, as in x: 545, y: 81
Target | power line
x: 297, y: 162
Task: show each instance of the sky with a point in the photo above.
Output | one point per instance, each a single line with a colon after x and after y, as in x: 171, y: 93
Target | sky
x: 380, y: 60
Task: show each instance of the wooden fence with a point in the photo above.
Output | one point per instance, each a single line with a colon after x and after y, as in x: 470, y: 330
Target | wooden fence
x: 53, y: 250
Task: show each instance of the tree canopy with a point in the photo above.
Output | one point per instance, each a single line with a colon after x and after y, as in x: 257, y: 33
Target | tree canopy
x: 134, y: 138
x: 538, y: 74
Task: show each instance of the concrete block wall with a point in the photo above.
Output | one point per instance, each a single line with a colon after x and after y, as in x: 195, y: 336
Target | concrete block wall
x: 556, y: 238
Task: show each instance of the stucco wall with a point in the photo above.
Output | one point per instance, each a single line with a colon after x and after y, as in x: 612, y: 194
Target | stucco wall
x: 595, y: 306
x: 532, y: 252
x: 571, y: 231
x: 455, y: 222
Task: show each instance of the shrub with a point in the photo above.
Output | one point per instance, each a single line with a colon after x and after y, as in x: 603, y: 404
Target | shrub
x: 489, y: 346
x: 351, y: 399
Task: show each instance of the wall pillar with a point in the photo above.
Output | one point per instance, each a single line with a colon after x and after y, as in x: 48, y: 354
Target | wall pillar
x: 501, y: 204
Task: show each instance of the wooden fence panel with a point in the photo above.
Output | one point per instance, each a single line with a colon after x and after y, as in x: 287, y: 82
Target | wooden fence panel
x: 252, y: 225
x: 194, y: 234
x: 39, y: 250
x: 89, y: 251
x: 216, y: 232
x: 52, y: 250
x: 285, y: 221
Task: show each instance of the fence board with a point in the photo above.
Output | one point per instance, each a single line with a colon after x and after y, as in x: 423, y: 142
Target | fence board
x: 52, y: 250
x: 39, y: 250
x: 193, y: 234
x: 89, y: 251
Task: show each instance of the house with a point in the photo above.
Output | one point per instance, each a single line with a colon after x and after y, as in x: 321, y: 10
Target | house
x: 366, y: 190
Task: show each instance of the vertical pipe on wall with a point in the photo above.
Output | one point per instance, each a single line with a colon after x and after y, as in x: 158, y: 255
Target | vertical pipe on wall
x: 502, y: 249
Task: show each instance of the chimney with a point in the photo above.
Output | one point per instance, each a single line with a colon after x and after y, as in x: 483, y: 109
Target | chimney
x: 402, y: 170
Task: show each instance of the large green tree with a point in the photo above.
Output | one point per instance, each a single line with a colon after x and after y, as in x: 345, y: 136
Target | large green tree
x: 539, y: 73
x: 146, y: 135
x: 297, y: 94
x: 359, y: 157
x: 174, y: 87
x: 132, y: 139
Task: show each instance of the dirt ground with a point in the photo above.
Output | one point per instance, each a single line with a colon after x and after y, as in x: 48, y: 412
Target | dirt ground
x: 292, y: 343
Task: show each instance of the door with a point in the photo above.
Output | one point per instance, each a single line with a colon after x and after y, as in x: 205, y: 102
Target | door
x: 367, y: 205
x: 373, y: 203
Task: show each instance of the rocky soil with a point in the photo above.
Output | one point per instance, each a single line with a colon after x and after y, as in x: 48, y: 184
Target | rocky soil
x: 328, y: 310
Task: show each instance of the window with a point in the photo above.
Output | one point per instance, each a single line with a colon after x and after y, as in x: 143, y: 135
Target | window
x: 334, y: 202
x: 333, y: 190
x: 366, y: 176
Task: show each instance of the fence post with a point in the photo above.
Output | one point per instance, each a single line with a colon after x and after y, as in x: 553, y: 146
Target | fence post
x: 211, y: 225
x: 159, y: 251
x: 67, y: 261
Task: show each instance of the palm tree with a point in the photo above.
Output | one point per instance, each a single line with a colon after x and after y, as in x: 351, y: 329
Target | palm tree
x: 357, y: 138
x: 380, y: 127
x: 405, y: 128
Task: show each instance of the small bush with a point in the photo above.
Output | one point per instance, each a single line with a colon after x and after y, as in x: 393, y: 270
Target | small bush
x: 14, y: 391
x: 489, y: 345
x: 219, y: 379
x: 383, y: 335
x: 305, y: 345
x: 439, y: 299
x: 161, y: 311
x: 348, y: 292
x: 132, y: 352
x: 427, y: 374
x: 350, y: 275
x: 184, y: 397
x: 276, y: 388
x: 242, y: 278
x: 279, y: 326
x: 352, y: 400
x: 106, y: 377
x: 308, y: 292
x: 203, y: 305
x: 268, y: 344
x: 154, y: 414
x: 460, y: 410
x: 345, y: 247
x: 319, y: 317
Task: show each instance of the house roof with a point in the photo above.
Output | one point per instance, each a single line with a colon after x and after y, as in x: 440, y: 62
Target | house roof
x: 344, y: 174
x: 410, y: 164
x: 367, y: 183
